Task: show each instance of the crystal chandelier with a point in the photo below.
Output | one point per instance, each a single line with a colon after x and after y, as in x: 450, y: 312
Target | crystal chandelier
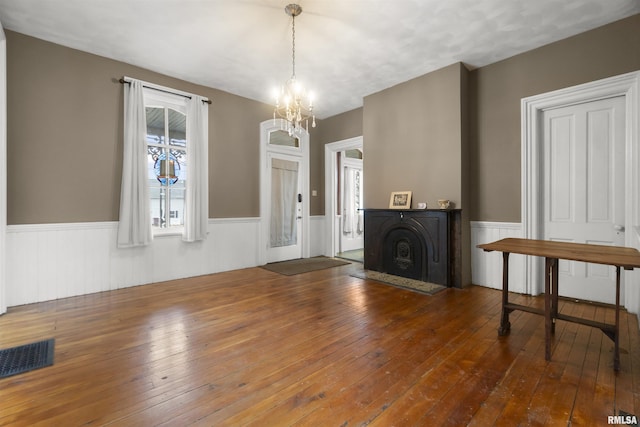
x: 293, y: 103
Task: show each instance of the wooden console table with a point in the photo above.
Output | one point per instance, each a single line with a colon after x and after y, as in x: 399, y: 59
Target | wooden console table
x: 619, y: 257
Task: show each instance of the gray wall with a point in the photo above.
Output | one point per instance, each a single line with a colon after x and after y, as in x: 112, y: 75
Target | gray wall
x: 413, y: 139
x: 410, y: 130
x: 337, y: 128
x: 495, y: 94
x: 64, y: 142
x: 65, y: 127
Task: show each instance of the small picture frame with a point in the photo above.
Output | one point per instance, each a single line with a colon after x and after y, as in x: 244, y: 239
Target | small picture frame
x: 400, y: 200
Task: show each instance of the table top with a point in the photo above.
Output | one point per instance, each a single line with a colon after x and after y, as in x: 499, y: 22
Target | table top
x: 628, y: 258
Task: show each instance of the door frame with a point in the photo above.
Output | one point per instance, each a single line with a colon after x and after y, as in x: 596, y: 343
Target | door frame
x: 330, y: 187
x: 3, y: 174
x: 302, y: 153
x: 532, y: 162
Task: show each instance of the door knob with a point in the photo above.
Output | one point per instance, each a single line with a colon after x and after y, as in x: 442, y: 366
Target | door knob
x: 618, y: 227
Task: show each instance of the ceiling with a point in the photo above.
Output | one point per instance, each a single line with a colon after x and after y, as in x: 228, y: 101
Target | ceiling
x: 345, y: 49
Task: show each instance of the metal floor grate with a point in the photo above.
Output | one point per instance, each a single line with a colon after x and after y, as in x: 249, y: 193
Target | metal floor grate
x: 17, y: 360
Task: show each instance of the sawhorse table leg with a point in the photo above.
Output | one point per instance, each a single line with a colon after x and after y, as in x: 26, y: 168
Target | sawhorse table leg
x: 616, y: 333
x: 549, y: 299
x: 505, y: 325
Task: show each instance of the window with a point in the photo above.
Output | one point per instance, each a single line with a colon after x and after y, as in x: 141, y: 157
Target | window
x: 166, y: 160
x: 164, y: 165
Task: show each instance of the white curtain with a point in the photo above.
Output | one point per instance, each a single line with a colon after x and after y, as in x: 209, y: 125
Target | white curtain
x: 196, y: 213
x: 134, y: 228
x: 353, y: 217
x: 284, y: 191
x: 349, y: 201
x: 358, y: 207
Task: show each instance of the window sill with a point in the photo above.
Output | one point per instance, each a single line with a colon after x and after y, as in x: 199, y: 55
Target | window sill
x: 168, y: 233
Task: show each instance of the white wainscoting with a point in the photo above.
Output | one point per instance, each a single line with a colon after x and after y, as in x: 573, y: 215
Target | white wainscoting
x: 51, y: 261
x: 318, y: 236
x: 486, y: 267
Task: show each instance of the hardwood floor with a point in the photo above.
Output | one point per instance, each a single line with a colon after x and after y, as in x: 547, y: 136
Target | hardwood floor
x: 251, y: 347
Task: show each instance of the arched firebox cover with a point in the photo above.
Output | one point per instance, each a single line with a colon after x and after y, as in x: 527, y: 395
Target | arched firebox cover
x: 417, y: 244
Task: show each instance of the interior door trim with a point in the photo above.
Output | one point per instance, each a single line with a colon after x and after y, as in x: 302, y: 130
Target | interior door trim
x: 330, y: 185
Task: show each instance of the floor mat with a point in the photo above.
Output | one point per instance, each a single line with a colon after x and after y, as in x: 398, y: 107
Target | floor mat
x: 304, y: 265
x: 28, y: 357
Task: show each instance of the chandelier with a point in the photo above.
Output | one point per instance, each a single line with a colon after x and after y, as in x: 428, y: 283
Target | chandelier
x: 293, y: 103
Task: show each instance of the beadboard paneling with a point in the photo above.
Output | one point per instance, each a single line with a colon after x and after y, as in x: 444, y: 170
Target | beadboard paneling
x: 317, y: 227
x: 51, y: 261
x: 486, y: 267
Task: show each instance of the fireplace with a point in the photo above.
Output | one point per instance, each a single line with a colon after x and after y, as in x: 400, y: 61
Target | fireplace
x: 417, y: 244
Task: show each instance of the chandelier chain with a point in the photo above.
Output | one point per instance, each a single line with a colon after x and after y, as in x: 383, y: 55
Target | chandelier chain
x: 293, y: 49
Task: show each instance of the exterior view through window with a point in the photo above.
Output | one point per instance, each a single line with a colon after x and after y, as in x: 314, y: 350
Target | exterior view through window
x: 166, y: 165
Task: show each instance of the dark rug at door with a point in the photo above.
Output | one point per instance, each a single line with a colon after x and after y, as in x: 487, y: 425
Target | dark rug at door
x: 28, y: 357
x: 303, y: 265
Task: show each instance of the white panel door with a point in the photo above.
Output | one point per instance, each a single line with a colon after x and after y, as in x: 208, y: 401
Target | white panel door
x: 584, y: 189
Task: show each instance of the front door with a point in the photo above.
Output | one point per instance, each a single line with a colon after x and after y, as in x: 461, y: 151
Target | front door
x: 285, y: 237
x: 284, y: 189
x: 584, y: 189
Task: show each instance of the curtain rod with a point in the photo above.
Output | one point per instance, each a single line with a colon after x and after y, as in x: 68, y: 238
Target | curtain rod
x: 123, y: 81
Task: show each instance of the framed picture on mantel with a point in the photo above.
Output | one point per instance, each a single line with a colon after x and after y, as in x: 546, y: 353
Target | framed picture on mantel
x: 400, y: 200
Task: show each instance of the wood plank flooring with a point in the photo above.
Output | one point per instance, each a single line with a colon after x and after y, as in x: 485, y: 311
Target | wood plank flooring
x: 255, y: 348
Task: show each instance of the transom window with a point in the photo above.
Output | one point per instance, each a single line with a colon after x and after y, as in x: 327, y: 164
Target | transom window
x: 282, y: 138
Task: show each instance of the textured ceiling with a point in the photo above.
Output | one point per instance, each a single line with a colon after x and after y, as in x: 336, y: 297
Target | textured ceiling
x: 345, y: 49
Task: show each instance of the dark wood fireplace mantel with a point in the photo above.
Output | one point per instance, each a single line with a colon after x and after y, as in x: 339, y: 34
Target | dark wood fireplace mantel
x: 422, y: 244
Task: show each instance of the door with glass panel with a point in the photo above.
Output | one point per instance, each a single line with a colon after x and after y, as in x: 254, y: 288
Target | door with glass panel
x: 352, y: 218
x: 285, y: 237
x: 284, y: 183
